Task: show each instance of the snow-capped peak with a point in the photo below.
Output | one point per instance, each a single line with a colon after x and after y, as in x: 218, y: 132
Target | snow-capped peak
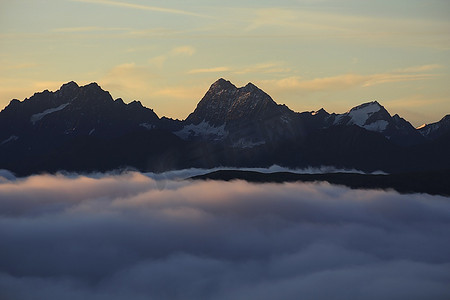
x: 360, y: 114
x: 371, y: 116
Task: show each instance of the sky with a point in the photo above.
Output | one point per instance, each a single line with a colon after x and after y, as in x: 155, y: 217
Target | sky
x: 307, y: 54
x: 128, y: 236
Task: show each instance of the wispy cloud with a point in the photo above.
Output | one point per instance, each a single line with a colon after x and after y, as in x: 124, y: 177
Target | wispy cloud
x: 89, y: 29
x: 269, y: 67
x: 209, y: 70
x: 159, y: 60
x: 346, y: 81
x: 261, y: 68
x: 148, y: 84
x: 357, y: 27
x: 181, y: 93
x: 129, y: 80
x: 19, y: 66
x: 419, y: 69
x: 143, y: 7
x: 183, y: 50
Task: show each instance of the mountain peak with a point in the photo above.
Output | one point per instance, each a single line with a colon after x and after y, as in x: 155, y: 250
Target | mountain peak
x: 437, y: 129
x: 320, y: 112
x: 250, y: 86
x: 69, y: 85
x: 225, y: 102
x: 68, y: 89
x: 93, y: 86
x: 222, y: 84
x: 370, y: 115
x: 370, y: 106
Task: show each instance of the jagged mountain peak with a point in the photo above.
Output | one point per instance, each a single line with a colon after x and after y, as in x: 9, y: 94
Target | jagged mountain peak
x: 368, y: 106
x: 93, y: 86
x: 119, y: 101
x: 370, y: 115
x: 69, y: 89
x: 373, y: 116
x: 373, y: 109
x: 76, y: 110
x: 222, y: 84
x: 364, y: 114
x: 69, y: 85
x: 320, y: 112
x: 250, y: 87
x: 225, y: 102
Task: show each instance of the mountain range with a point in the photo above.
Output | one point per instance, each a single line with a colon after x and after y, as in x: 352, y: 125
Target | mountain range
x: 82, y: 128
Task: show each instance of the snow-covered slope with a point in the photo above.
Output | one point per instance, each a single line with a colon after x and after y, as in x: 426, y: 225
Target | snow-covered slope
x: 37, y: 117
x: 371, y: 116
x: 203, y: 130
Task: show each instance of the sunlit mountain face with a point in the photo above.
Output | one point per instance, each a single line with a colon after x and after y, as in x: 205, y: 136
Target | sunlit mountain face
x: 217, y: 150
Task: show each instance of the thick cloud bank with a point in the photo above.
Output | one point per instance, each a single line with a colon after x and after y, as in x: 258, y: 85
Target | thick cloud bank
x: 133, y: 237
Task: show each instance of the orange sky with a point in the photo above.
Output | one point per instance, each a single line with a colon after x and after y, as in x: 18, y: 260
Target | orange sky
x: 305, y: 54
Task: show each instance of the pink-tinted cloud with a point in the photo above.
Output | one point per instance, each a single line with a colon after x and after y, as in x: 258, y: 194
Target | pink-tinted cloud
x: 129, y: 236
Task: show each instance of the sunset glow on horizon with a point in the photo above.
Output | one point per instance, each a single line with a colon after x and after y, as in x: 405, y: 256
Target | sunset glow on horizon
x: 303, y: 53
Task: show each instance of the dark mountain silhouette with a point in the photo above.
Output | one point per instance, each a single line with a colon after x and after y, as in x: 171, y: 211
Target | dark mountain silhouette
x: 82, y: 128
x: 436, y: 130
x: 241, y: 117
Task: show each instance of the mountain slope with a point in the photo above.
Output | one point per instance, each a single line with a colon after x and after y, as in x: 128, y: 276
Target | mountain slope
x: 435, y: 130
x: 243, y: 117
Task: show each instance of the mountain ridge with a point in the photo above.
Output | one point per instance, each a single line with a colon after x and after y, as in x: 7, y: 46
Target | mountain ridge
x: 71, y: 85
x: 231, y: 126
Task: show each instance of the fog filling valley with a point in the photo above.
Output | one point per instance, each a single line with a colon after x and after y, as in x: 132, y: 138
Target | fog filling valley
x: 131, y: 236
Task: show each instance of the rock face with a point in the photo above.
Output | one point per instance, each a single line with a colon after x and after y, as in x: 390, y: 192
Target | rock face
x: 436, y: 130
x: 225, y: 103
x: 243, y: 117
x: 82, y: 128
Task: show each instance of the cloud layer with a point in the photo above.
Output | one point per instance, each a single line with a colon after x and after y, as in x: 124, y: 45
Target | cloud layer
x: 133, y: 237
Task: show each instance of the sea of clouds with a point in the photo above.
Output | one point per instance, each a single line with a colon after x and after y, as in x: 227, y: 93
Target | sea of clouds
x: 153, y: 236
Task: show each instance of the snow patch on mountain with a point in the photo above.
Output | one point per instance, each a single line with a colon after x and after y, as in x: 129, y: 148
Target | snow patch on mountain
x: 338, y: 118
x: 10, y: 139
x: 147, y: 126
x: 360, y: 114
x: 203, y: 129
x: 37, y: 117
x: 428, y: 129
x: 377, y: 126
x: 246, y: 143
